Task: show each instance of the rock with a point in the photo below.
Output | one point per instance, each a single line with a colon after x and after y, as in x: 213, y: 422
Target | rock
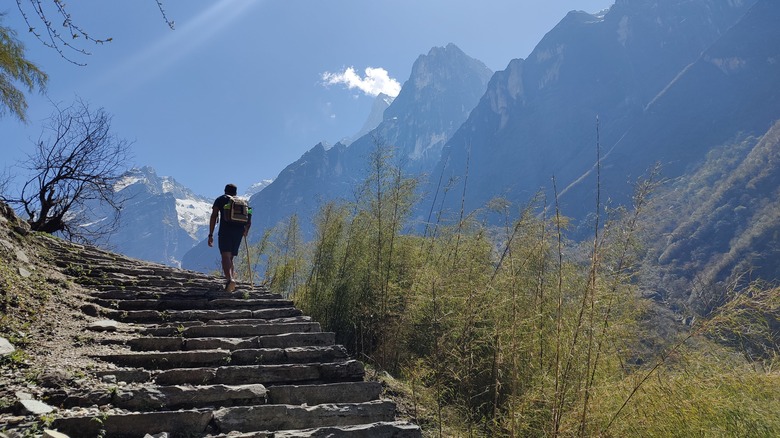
x: 109, y: 378
x: 185, y: 423
x: 6, y: 347
x: 34, y: 407
x: 47, y: 433
x: 24, y: 272
x: 104, y: 325
x: 90, y: 310
x: 346, y: 392
x: 21, y: 256
x: 21, y: 395
x: 54, y: 379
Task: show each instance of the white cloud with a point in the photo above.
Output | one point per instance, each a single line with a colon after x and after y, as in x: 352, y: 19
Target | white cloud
x: 376, y: 81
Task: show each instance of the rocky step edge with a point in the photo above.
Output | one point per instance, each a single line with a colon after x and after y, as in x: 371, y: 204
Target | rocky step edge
x: 369, y: 419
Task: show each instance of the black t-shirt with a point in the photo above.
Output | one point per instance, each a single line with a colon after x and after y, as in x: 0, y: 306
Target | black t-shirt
x: 225, y: 225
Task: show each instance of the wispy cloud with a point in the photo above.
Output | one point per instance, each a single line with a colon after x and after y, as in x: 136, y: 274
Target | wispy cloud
x: 375, y: 81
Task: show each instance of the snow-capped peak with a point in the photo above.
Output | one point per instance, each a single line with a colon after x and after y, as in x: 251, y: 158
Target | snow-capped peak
x: 257, y: 187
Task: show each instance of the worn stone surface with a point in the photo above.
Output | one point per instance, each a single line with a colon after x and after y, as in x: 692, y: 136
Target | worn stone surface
x: 48, y: 433
x: 352, y: 392
x: 22, y: 256
x: 24, y: 273
x: 103, y: 325
x: 281, y: 417
x: 179, y: 356
x: 6, y: 347
x: 243, y: 330
x: 185, y: 423
x: 373, y: 430
x: 34, y: 407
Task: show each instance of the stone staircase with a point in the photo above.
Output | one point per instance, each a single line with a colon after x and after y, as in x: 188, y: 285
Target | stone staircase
x: 199, y: 361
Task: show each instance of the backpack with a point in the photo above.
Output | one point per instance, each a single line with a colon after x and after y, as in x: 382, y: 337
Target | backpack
x: 237, y: 210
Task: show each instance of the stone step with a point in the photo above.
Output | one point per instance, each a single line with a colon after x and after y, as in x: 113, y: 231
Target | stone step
x: 175, y: 329
x: 244, y: 330
x: 329, y: 372
x: 287, y: 417
x: 283, y: 340
x: 229, y: 420
x: 154, y: 316
x: 156, y: 360
x: 184, y: 293
x: 182, y: 423
x: 169, y: 359
x: 192, y: 304
x: 154, y: 398
x: 396, y: 429
x: 342, y: 392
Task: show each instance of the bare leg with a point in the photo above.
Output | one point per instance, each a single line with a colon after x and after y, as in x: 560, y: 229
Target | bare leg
x: 227, y: 265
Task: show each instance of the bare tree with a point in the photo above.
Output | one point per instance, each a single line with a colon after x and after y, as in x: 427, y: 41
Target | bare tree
x: 50, y: 21
x: 72, y: 174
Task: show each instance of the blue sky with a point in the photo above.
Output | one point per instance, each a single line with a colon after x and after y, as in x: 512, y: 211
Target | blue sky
x: 242, y: 88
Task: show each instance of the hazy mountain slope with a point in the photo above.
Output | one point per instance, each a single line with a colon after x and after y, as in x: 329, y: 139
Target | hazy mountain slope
x: 538, y: 118
x: 732, y: 90
x: 719, y: 223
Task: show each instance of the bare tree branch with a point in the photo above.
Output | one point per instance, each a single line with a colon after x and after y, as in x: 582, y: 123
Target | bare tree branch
x: 73, y: 170
x: 42, y: 18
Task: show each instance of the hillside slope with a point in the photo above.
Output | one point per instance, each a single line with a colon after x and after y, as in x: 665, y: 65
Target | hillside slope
x: 105, y: 345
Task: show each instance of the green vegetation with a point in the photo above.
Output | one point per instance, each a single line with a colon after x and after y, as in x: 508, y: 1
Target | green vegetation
x: 15, y: 68
x: 21, y: 297
x: 517, y: 331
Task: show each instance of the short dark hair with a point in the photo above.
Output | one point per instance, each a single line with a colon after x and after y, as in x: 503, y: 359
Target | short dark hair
x: 231, y: 190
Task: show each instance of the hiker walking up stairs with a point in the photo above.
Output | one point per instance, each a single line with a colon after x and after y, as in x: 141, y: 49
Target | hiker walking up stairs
x: 197, y: 360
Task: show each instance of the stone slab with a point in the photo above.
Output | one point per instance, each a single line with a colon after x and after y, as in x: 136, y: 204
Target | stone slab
x: 282, y: 417
x: 243, y: 330
x: 350, y: 392
x: 184, y: 423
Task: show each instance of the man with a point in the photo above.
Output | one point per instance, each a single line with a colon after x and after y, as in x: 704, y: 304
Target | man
x: 232, y: 229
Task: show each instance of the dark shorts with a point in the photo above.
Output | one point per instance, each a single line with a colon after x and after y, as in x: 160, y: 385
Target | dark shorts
x: 230, y: 240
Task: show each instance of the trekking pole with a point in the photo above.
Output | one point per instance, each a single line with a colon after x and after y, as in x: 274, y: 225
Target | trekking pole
x: 249, y: 264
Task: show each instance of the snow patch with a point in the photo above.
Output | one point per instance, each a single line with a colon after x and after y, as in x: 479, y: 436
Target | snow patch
x: 167, y: 185
x: 126, y: 181
x: 257, y: 187
x: 193, y: 215
x: 623, y: 31
x: 728, y: 65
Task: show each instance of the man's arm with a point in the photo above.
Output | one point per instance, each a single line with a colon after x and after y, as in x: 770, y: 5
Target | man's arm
x: 212, y: 224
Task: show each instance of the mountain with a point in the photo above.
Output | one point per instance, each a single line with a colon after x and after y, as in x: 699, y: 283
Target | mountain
x: 538, y: 118
x: 160, y: 219
x: 731, y: 91
x: 719, y: 225
x: 665, y: 81
x: 381, y: 103
x: 257, y: 187
x: 443, y: 87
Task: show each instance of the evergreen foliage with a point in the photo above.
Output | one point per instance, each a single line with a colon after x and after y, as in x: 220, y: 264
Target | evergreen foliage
x: 14, y: 67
